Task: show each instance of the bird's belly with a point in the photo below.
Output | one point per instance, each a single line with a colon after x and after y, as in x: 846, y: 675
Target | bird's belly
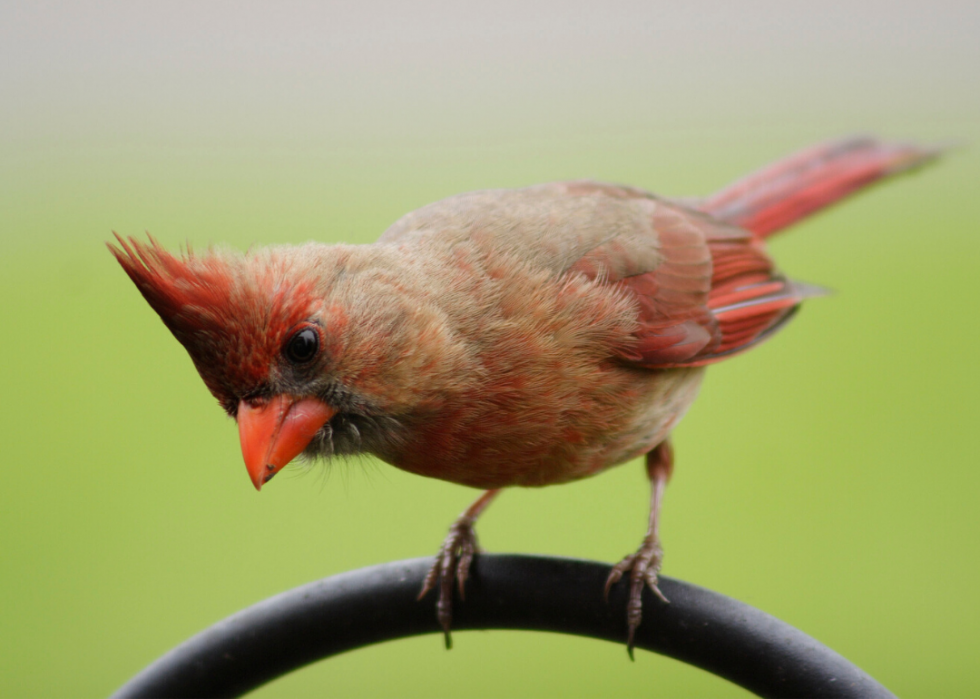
x: 546, y: 443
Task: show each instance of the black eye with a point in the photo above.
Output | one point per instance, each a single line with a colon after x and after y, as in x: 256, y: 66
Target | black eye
x: 302, y: 346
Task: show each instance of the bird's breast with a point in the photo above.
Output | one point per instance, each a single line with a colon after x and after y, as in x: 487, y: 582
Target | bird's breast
x: 514, y: 435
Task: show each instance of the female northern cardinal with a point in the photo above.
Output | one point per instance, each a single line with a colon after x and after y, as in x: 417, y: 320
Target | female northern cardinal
x: 500, y: 338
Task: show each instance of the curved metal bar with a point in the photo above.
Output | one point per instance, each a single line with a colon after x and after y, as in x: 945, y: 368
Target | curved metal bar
x: 371, y: 605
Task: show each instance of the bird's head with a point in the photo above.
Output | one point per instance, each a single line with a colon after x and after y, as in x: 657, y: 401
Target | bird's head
x: 260, y: 336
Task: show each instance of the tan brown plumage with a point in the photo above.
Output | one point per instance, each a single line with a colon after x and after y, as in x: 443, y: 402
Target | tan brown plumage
x: 499, y: 338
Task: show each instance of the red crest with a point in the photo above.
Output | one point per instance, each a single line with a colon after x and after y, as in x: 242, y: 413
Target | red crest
x: 230, y: 311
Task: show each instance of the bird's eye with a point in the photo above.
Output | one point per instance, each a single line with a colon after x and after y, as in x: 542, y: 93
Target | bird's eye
x: 302, y: 346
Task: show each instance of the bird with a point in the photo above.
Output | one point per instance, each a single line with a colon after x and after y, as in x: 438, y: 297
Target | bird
x: 500, y: 338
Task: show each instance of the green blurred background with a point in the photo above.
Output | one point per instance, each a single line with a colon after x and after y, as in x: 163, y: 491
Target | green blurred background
x: 828, y: 477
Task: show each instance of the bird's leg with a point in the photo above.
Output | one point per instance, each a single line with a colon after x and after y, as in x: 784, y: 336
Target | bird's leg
x: 453, y: 561
x: 644, y: 565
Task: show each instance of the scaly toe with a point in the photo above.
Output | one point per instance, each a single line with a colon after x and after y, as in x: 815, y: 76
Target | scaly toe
x: 617, y: 573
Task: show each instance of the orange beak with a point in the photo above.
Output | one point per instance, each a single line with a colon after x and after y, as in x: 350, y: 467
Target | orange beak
x: 276, y: 432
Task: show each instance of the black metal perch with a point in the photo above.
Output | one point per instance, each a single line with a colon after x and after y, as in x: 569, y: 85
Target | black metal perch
x: 371, y: 605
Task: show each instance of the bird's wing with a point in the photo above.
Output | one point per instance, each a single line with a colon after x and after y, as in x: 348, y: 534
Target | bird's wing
x: 712, y: 293
x: 704, y: 289
x: 550, y: 225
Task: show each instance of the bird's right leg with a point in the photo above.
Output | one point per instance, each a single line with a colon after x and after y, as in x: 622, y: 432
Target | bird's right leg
x: 453, y: 561
x: 644, y: 565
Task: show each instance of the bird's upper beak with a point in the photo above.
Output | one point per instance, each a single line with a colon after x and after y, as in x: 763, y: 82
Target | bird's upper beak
x: 273, y: 433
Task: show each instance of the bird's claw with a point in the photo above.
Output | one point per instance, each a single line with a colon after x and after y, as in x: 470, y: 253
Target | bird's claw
x: 452, y: 563
x: 643, y: 567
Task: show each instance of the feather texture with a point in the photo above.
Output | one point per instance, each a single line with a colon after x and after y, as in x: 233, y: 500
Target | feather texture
x: 507, y: 337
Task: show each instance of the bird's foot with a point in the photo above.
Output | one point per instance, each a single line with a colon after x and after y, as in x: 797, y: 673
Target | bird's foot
x: 452, y: 563
x: 643, y: 568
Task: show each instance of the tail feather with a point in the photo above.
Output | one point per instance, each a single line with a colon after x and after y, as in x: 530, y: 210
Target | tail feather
x: 791, y: 189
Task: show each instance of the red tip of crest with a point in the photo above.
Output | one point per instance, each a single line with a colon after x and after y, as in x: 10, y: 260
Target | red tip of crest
x: 176, y: 286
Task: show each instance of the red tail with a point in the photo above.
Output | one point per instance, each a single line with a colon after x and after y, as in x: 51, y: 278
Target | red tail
x: 790, y: 189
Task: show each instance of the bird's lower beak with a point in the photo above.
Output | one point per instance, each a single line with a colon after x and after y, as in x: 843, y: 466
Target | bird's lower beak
x: 275, y: 432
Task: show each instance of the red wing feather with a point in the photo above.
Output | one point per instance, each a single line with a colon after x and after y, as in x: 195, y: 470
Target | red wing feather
x: 675, y: 323
x: 715, y: 293
x: 690, y: 317
x: 748, y: 300
x: 710, y: 291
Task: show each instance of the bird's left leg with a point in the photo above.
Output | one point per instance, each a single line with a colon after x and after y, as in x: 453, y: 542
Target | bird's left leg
x: 644, y: 565
x: 453, y: 561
